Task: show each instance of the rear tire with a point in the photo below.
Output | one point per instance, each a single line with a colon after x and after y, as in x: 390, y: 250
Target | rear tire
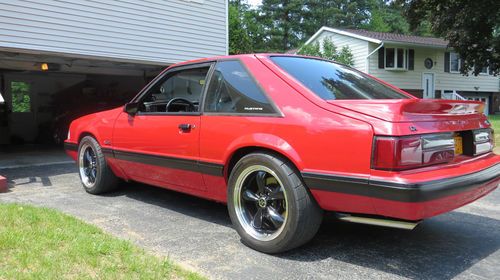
x: 95, y: 175
x: 277, y: 214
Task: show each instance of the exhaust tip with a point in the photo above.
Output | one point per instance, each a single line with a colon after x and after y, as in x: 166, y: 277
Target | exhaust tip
x: 400, y: 224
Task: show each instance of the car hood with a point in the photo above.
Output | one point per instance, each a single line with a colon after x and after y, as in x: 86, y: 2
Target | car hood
x: 411, y: 110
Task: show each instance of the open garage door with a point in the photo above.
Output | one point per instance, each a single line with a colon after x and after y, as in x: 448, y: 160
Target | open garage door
x: 39, y: 105
x: 480, y: 97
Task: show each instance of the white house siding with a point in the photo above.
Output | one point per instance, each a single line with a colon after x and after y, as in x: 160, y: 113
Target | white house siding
x: 359, y: 48
x: 146, y: 31
x: 443, y: 80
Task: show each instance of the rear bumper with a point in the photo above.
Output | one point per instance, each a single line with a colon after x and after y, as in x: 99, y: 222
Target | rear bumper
x: 409, y: 201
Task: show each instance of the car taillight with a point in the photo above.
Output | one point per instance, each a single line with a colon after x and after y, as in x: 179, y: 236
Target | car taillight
x: 483, y: 141
x: 400, y: 153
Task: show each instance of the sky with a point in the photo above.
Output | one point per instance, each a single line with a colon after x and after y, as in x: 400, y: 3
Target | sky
x: 254, y: 2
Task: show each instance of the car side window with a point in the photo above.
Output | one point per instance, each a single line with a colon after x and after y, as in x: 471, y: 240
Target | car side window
x: 179, y: 91
x: 233, y: 90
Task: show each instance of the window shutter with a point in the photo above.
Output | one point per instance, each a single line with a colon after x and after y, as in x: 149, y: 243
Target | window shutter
x: 381, y: 58
x: 411, y: 59
x: 490, y: 69
x: 447, y: 62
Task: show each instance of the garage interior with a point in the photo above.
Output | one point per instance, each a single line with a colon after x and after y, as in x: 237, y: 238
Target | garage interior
x: 43, y: 93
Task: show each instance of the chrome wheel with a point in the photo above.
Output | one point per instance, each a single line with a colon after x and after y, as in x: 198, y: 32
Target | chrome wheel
x: 260, y: 202
x: 88, y: 165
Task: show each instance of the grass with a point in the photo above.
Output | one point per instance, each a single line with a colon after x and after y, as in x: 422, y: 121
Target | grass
x: 41, y: 243
x: 495, y: 123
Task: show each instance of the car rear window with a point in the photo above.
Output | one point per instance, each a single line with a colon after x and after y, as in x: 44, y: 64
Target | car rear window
x: 332, y: 81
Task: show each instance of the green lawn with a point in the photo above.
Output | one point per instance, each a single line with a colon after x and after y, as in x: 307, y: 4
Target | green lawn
x: 495, y: 122
x: 41, y: 243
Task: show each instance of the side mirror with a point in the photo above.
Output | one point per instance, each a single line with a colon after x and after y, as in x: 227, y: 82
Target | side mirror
x: 131, y: 108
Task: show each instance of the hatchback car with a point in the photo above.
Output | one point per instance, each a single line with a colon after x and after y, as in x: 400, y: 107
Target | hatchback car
x: 283, y: 138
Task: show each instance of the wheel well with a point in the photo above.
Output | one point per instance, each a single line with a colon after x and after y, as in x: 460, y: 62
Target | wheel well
x: 241, y: 152
x: 83, y: 134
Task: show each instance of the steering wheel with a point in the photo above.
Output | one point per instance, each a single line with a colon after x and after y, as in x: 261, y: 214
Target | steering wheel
x: 191, y: 107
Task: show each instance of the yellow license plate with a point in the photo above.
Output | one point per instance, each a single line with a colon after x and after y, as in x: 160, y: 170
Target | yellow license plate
x: 458, y: 145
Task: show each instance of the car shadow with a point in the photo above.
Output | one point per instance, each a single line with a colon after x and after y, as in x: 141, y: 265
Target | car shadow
x: 441, y: 247
x: 175, y: 201
x: 20, y: 176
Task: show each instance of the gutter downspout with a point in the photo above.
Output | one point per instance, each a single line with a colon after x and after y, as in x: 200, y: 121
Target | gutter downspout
x: 368, y: 56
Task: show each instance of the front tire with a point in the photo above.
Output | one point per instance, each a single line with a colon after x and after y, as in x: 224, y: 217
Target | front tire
x: 95, y: 175
x: 269, y: 205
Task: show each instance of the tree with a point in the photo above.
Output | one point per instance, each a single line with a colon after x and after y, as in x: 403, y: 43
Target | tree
x: 334, y: 13
x: 255, y: 30
x: 278, y: 26
x: 471, y: 27
x: 20, y: 97
x: 345, y: 56
x: 239, y: 39
x: 387, y: 17
x: 328, y: 50
x: 282, y: 20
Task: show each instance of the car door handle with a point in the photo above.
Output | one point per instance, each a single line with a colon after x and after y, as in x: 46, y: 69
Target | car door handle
x: 185, y: 127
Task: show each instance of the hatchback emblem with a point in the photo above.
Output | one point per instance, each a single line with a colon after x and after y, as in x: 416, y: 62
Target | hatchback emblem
x: 412, y: 128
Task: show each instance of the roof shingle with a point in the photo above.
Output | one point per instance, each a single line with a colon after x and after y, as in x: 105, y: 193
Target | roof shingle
x: 393, y: 37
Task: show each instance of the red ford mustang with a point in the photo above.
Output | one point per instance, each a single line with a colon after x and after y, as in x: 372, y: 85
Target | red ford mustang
x: 282, y: 138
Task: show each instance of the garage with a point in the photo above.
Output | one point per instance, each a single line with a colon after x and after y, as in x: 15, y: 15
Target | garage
x: 43, y: 94
x: 483, y: 97
x: 63, y: 59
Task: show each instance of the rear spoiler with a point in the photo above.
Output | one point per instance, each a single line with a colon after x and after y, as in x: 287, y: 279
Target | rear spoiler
x: 413, y: 110
x: 443, y: 107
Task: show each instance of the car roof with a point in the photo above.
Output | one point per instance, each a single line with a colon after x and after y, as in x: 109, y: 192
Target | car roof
x: 234, y: 56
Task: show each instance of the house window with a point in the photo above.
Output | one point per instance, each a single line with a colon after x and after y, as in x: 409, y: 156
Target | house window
x: 395, y: 58
x: 455, y: 63
x: 485, y: 70
x: 400, y: 55
x: 389, y: 58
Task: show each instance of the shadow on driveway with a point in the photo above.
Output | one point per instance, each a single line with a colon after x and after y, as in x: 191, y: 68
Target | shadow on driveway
x: 17, y: 177
x: 441, y: 247
x: 182, y: 203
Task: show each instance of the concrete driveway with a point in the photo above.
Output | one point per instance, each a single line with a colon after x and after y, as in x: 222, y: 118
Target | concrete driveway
x: 196, y: 233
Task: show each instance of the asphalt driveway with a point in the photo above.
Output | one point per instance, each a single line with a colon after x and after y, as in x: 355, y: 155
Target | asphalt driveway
x: 463, y: 244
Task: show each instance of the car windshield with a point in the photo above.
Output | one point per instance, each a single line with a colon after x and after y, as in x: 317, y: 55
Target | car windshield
x: 332, y: 81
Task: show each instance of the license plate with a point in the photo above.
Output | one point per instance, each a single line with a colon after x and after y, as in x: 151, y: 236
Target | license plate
x: 458, y: 145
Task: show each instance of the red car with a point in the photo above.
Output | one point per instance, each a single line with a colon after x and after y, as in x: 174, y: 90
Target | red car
x: 283, y: 138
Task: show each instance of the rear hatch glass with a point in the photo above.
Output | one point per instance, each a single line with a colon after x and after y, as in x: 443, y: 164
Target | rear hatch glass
x: 332, y: 81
